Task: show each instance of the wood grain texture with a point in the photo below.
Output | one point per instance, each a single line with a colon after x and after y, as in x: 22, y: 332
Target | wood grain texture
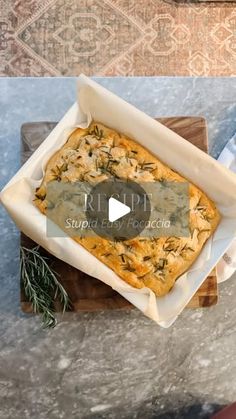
x: 87, y: 293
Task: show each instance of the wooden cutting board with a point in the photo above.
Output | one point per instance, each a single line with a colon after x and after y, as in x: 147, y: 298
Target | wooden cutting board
x: 87, y: 293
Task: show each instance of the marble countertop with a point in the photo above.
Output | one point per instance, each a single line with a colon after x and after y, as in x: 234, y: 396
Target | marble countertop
x: 115, y: 364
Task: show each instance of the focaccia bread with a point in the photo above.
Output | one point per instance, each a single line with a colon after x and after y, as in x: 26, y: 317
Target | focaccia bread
x: 98, y: 153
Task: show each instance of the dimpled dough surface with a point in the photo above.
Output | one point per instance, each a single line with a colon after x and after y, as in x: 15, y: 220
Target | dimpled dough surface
x: 98, y: 153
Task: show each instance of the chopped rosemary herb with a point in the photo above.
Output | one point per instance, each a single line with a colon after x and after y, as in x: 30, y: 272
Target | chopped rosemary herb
x: 160, y: 265
x: 129, y: 268
x: 40, y: 195
x: 99, y: 134
x: 147, y: 166
x: 190, y: 248
x: 122, y: 257
x: 57, y: 172
x: 126, y: 265
x: 64, y: 167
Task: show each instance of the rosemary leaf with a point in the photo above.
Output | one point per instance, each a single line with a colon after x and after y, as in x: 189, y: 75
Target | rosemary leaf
x: 41, y: 285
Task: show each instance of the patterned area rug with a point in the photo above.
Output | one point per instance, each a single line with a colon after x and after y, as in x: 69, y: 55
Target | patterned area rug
x: 117, y: 37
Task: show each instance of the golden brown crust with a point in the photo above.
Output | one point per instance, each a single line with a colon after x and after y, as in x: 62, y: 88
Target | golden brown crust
x: 98, y: 153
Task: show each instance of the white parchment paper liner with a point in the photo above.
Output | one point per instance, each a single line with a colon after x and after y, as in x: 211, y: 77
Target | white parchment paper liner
x: 95, y: 102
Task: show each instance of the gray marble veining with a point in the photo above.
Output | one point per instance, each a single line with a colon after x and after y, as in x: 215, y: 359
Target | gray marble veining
x: 115, y: 364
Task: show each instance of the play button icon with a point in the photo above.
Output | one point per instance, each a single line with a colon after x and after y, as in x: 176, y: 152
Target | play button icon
x: 116, y: 210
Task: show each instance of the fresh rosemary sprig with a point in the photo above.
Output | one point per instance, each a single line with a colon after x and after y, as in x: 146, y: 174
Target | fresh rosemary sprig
x: 41, y: 285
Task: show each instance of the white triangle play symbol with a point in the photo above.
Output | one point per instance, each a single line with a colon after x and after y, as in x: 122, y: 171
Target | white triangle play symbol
x: 116, y: 209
